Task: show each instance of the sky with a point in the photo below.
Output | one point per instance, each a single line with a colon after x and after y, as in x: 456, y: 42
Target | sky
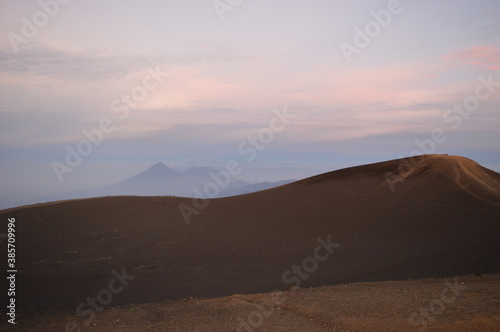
x: 188, y: 82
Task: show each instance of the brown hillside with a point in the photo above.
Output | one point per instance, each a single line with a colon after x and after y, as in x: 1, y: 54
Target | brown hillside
x: 441, y: 220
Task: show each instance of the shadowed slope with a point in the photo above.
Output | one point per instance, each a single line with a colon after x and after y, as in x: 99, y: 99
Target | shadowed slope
x: 441, y: 220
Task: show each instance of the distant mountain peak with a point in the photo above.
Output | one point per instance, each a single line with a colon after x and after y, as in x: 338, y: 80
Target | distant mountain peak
x: 158, y: 169
x: 159, y: 164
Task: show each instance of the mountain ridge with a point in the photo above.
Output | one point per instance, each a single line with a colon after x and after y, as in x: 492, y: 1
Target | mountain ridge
x: 159, y: 180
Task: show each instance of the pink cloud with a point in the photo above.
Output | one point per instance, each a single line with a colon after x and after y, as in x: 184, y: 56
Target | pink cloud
x: 483, y: 57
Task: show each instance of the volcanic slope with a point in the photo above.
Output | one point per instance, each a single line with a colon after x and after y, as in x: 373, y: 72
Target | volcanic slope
x: 437, y: 216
